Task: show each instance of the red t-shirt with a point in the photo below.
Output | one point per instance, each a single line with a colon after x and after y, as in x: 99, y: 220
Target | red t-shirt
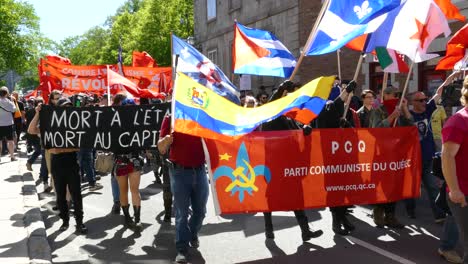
x: 456, y: 130
x: 186, y: 150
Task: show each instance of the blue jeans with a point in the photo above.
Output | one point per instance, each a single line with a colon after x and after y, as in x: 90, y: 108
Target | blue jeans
x: 87, y: 164
x: 460, y: 214
x: 429, y: 182
x: 37, y: 151
x: 115, y: 189
x: 449, y: 238
x: 44, y: 172
x: 190, y: 187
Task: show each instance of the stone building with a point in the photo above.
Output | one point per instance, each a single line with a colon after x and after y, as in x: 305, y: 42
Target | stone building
x: 291, y: 21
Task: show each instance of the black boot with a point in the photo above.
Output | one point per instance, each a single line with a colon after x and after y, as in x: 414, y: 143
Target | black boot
x: 128, y: 221
x: 136, y: 211
x: 337, y: 226
x: 303, y: 222
x: 80, y: 227
x: 64, y: 225
x: 347, y: 224
x: 268, y: 226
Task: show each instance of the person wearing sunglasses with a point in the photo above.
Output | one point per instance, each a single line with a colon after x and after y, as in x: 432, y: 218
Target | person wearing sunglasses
x: 423, y: 107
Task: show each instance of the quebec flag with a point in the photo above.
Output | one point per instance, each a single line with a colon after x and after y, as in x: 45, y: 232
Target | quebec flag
x: 345, y: 20
x: 198, y: 67
x: 259, y: 52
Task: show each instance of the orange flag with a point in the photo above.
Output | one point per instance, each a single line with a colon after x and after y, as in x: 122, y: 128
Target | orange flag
x: 450, y: 10
x: 359, y: 44
x: 456, y: 48
x: 58, y: 59
x: 143, y: 59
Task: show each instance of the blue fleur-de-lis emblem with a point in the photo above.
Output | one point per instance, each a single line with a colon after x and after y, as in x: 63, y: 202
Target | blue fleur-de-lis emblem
x: 243, y: 176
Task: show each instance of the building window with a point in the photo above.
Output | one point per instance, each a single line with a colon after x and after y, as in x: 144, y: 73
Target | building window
x: 234, y: 4
x: 213, y: 56
x: 211, y: 9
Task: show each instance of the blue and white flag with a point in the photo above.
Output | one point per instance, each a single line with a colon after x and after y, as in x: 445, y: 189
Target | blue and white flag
x: 345, y: 20
x: 198, y: 67
x: 259, y: 52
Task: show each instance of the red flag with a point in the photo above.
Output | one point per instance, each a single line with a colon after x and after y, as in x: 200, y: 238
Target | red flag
x: 456, y: 48
x: 58, y: 59
x: 143, y: 59
x: 32, y: 93
x: 115, y: 79
x: 450, y: 10
x: 163, y: 85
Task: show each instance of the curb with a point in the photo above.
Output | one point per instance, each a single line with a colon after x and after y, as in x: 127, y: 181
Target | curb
x: 38, y: 247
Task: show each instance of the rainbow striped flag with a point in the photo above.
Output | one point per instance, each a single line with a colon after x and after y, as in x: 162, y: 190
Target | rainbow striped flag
x: 199, y: 111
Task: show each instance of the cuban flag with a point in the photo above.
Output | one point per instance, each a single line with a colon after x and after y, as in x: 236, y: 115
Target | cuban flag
x: 345, y: 20
x: 198, y: 67
x: 259, y: 52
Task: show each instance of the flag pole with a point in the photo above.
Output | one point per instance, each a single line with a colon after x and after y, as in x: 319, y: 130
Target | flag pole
x: 312, y: 35
x: 384, y: 85
x: 175, y: 62
x: 338, y: 52
x: 108, y: 88
x: 405, y: 88
x: 356, y: 74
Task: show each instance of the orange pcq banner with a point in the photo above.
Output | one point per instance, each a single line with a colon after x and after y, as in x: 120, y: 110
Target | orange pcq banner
x: 285, y: 170
x: 74, y: 79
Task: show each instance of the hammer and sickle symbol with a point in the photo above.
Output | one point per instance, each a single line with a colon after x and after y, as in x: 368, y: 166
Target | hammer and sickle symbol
x: 247, y: 182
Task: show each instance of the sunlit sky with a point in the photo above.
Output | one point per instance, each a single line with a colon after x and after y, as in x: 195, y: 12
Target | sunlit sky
x: 65, y: 18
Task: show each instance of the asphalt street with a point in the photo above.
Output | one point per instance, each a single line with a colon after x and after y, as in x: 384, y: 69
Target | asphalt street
x: 233, y: 238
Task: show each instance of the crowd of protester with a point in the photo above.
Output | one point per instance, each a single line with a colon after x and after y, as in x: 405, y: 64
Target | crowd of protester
x: 178, y: 163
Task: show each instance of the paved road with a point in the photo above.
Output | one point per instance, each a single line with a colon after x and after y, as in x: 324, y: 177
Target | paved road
x: 233, y: 238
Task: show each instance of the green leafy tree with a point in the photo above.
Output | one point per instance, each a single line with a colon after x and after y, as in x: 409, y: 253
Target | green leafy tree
x: 19, y: 36
x: 157, y: 21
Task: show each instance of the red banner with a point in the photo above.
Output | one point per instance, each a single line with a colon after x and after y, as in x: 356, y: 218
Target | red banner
x: 284, y: 170
x: 74, y: 79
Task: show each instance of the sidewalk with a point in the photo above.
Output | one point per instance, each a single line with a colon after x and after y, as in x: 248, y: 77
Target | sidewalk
x: 22, y: 232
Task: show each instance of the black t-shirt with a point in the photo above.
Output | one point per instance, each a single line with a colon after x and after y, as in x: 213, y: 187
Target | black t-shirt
x: 20, y: 106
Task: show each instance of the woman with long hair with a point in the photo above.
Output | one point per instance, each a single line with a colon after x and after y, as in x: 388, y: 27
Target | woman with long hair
x: 127, y: 171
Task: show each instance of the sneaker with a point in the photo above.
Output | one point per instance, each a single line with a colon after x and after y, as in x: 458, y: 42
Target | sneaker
x: 450, y: 256
x: 95, y: 187
x: 13, y: 159
x: 195, y: 243
x: 29, y: 166
x: 181, y: 257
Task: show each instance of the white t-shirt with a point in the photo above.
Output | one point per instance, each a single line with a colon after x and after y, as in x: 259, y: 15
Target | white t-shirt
x: 7, y: 108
